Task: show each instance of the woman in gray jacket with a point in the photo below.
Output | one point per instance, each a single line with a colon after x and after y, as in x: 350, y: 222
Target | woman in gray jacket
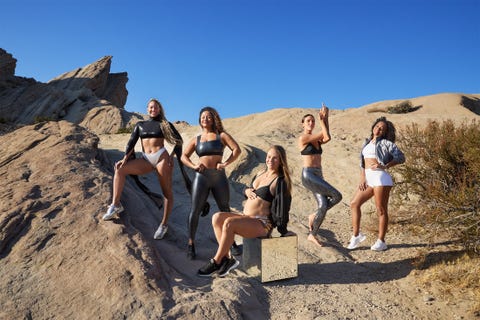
x: 379, y: 153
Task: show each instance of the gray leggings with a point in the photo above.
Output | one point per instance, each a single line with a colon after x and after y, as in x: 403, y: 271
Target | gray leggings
x: 210, y: 179
x: 326, y: 195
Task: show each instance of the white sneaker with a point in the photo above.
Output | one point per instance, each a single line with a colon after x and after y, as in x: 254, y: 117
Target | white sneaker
x: 379, y: 245
x: 112, y: 211
x: 355, y: 241
x: 160, y: 233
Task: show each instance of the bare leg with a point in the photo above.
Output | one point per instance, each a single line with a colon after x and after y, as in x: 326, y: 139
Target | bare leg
x: 358, y: 200
x: 165, y: 172
x: 313, y: 238
x: 382, y: 195
x: 310, y: 222
x: 217, y: 222
x: 244, y: 226
x: 135, y: 167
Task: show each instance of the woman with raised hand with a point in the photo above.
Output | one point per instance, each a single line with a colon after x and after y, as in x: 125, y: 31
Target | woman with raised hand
x: 267, y: 206
x: 379, y: 153
x: 152, y: 133
x: 310, y: 145
x: 209, y: 169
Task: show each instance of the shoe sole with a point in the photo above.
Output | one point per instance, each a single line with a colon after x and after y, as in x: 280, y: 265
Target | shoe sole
x: 359, y: 242
x: 206, y: 275
x: 159, y: 237
x: 379, y: 249
x: 111, y: 217
x: 234, y: 266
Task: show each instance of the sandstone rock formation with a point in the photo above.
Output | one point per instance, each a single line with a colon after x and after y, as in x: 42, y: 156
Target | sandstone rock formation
x: 90, y: 95
x: 55, y: 257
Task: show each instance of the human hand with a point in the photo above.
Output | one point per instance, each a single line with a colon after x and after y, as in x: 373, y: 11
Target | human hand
x: 221, y: 165
x: 323, y: 113
x: 362, y: 186
x: 250, y: 192
x: 199, y: 168
x: 376, y: 166
x: 119, y: 164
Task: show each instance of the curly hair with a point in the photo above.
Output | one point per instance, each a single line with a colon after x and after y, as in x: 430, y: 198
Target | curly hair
x: 217, y: 122
x: 390, y: 133
x: 169, y: 134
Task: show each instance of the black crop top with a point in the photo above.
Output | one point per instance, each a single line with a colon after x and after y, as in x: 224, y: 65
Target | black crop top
x: 310, y: 149
x: 209, y: 148
x: 264, y: 192
x: 145, y: 129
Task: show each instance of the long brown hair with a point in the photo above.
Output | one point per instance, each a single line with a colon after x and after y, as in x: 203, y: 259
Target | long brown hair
x: 170, y: 136
x: 283, y: 169
x: 217, y: 122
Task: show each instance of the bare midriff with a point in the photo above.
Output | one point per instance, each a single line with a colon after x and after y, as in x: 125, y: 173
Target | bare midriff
x: 257, y: 207
x: 369, y: 162
x: 152, y: 145
x: 312, y: 161
x: 210, y: 162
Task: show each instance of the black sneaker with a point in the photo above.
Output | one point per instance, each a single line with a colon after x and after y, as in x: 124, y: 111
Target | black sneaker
x: 236, y: 250
x: 210, y: 268
x: 228, y: 266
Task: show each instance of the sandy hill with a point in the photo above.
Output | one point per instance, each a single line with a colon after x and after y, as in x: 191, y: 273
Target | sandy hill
x: 59, y: 260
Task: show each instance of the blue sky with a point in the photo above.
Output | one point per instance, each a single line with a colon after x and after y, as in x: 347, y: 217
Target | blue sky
x: 250, y: 56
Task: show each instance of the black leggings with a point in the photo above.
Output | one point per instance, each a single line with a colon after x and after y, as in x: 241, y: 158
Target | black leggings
x: 210, y: 179
x: 326, y: 195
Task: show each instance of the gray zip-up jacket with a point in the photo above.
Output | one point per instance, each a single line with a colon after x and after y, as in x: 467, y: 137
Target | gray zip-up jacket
x: 385, y: 151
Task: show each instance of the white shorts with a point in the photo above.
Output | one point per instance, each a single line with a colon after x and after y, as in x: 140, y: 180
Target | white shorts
x: 377, y: 178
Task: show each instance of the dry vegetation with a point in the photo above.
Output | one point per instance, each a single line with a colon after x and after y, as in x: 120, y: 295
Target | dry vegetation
x: 440, y: 183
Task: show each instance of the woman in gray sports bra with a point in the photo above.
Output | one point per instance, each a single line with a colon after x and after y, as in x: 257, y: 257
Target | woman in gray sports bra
x: 209, y: 170
x: 310, y: 145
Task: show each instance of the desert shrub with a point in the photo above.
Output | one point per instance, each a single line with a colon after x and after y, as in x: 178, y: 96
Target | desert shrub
x: 39, y: 119
x: 403, y: 107
x: 128, y: 129
x: 442, y: 174
x: 454, y: 275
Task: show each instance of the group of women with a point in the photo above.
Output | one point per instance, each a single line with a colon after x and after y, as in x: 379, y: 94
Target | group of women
x: 268, y: 198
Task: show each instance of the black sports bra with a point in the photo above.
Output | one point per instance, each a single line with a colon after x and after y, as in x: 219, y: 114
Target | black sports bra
x: 310, y: 149
x: 264, y: 192
x: 209, y: 148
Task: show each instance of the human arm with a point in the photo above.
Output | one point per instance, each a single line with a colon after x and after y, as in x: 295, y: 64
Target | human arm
x: 322, y: 137
x: 233, y: 145
x: 388, y: 155
x: 130, y: 147
x: 363, y: 180
x: 187, y: 152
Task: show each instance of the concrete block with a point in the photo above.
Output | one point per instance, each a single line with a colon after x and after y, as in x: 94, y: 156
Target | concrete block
x: 271, y: 259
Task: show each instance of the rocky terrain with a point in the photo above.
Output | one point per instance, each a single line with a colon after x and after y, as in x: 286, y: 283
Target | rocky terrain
x: 59, y: 260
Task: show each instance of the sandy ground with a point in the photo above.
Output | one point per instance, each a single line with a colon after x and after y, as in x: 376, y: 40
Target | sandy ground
x: 333, y: 283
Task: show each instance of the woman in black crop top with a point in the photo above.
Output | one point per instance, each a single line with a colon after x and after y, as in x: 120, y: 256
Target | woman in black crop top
x: 310, y: 145
x: 152, y: 133
x: 267, y: 206
x: 209, y: 169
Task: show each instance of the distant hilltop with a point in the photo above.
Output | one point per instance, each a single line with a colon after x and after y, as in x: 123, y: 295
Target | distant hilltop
x: 94, y: 98
x: 90, y: 96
